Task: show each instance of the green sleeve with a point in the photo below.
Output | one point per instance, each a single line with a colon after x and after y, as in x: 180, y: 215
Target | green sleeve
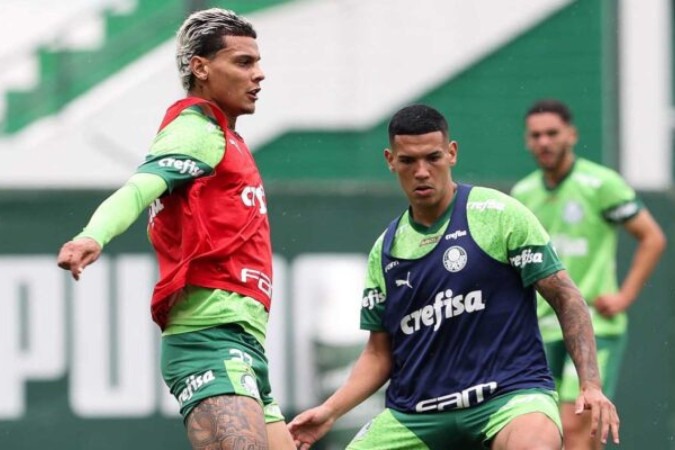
x: 189, y: 147
x: 122, y: 208
x: 510, y: 233
x: 374, y: 294
x: 617, y: 200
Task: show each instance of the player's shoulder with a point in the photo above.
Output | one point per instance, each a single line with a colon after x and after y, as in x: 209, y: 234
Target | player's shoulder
x: 483, y: 198
x: 593, y: 175
x: 529, y: 183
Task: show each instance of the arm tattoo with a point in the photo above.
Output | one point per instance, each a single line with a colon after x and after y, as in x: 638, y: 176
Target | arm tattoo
x: 227, y: 422
x: 566, y: 300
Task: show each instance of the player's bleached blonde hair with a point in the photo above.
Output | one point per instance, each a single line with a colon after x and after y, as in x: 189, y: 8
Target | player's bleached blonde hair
x: 202, y: 35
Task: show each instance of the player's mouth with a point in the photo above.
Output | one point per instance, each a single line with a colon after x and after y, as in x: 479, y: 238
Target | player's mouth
x: 253, y: 94
x: 423, y: 191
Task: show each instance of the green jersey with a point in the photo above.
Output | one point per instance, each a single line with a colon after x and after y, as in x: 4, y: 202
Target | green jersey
x: 581, y: 214
x: 502, y: 227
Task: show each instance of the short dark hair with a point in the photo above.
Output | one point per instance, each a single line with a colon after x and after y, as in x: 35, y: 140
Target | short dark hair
x: 553, y: 106
x: 416, y: 120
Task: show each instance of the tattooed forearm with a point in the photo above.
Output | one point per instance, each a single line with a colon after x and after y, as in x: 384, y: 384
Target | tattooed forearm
x: 570, y: 307
x: 227, y: 422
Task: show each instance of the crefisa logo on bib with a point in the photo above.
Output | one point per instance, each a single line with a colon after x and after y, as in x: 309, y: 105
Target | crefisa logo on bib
x: 454, y: 258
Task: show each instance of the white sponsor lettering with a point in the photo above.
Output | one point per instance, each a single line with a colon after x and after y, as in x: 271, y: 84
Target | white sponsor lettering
x: 588, y: 180
x: 623, y: 212
x: 182, y: 166
x: 372, y: 297
x: 390, y: 266
x: 264, y: 281
x: 470, y: 396
x: 487, y: 204
x: 254, y: 195
x: 455, y: 235
x: 154, y: 209
x: 570, y: 246
x: 526, y: 257
x: 193, y: 384
x: 445, y: 306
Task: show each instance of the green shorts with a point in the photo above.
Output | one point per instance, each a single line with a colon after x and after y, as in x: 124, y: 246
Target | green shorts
x: 610, y: 351
x: 467, y: 429
x: 222, y: 360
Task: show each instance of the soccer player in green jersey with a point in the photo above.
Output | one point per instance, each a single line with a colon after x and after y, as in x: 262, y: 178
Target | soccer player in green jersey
x: 581, y: 203
x: 450, y: 307
x: 208, y: 225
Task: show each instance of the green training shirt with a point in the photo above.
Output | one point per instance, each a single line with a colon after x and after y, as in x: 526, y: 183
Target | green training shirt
x: 581, y: 215
x: 501, y: 226
x: 191, y: 146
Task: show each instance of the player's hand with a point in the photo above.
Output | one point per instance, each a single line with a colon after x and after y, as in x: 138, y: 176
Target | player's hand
x: 610, y: 305
x: 310, y: 426
x: 603, y: 412
x: 78, y: 254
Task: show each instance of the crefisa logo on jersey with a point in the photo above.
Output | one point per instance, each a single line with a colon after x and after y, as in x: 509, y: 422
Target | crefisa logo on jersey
x: 573, y: 212
x: 454, y: 258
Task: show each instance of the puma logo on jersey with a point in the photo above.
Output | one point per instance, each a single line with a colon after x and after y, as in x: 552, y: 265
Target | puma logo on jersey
x: 405, y: 282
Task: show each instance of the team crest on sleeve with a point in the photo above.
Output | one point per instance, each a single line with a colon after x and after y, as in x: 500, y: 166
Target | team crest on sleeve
x: 454, y: 258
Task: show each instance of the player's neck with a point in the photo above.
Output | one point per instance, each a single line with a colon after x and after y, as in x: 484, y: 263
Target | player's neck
x: 427, y: 216
x: 554, y: 176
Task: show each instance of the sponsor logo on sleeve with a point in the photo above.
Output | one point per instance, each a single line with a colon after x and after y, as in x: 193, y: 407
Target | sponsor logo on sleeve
x: 372, y: 297
x: 182, y: 166
x: 526, y: 257
x: 622, y: 212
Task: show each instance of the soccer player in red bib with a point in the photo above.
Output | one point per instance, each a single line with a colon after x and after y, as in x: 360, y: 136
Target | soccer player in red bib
x: 209, y: 227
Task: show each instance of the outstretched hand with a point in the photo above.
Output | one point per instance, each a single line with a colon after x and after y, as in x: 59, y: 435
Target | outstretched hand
x: 603, y: 412
x: 78, y: 254
x: 310, y: 426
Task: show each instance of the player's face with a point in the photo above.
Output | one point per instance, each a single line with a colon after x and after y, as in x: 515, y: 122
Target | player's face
x: 233, y: 76
x: 550, y: 140
x: 422, y: 164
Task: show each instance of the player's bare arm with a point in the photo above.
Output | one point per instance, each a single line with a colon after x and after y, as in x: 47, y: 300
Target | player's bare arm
x: 566, y: 300
x: 651, y: 242
x: 575, y: 321
x: 370, y: 372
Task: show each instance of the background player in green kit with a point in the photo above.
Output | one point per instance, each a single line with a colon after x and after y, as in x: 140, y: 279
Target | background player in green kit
x: 450, y: 306
x: 208, y: 225
x: 580, y: 204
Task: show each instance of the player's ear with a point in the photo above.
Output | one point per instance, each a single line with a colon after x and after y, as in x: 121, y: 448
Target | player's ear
x: 573, y: 135
x: 200, y: 67
x: 389, y: 157
x: 453, y: 148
